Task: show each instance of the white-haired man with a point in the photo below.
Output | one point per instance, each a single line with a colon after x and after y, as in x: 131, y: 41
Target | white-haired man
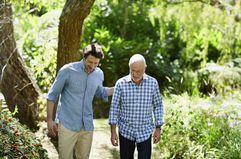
x: 135, y: 101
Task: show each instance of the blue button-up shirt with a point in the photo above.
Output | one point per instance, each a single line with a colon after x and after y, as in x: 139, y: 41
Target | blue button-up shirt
x: 133, y: 107
x: 76, y: 90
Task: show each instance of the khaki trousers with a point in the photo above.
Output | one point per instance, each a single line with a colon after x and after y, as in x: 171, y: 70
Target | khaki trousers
x: 72, y: 141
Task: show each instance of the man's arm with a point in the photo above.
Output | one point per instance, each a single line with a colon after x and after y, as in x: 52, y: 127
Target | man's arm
x: 114, y: 136
x: 158, y: 114
x: 52, y: 126
x: 52, y: 98
x: 104, y: 92
x: 110, y: 90
x: 114, y: 115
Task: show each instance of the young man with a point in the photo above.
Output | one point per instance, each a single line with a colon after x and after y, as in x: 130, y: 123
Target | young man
x: 135, y: 101
x: 76, y: 85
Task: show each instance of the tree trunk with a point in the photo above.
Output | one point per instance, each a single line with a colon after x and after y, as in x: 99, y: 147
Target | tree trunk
x: 70, y: 30
x: 16, y: 83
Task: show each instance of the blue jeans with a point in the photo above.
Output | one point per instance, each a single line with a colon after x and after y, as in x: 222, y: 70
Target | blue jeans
x: 127, y: 148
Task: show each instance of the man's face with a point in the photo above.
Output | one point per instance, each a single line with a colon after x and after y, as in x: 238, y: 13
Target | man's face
x: 137, y: 70
x: 91, y: 63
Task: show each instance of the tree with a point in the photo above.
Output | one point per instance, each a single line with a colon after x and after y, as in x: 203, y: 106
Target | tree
x: 17, y: 86
x: 70, y: 30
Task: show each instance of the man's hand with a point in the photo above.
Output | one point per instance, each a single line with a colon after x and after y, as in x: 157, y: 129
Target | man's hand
x: 52, y: 128
x: 114, y: 136
x: 114, y: 139
x: 157, y: 135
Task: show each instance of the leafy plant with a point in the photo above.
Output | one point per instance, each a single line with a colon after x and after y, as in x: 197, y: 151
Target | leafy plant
x: 17, y: 141
x: 37, y: 38
x: 201, y: 128
x: 220, y: 79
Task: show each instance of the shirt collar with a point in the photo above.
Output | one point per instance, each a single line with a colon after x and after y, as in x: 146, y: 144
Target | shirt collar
x: 128, y: 79
x: 82, y: 64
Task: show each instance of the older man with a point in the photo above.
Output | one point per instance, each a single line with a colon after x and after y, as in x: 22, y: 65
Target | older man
x: 135, y: 101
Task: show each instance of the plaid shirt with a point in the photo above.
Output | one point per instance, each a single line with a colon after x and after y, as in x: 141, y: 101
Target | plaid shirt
x: 134, y: 106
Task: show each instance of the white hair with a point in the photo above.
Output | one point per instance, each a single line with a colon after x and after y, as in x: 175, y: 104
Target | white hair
x: 137, y: 58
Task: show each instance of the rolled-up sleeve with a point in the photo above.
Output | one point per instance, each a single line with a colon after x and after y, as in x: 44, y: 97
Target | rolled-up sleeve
x: 158, y: 106
x: 58, y: 84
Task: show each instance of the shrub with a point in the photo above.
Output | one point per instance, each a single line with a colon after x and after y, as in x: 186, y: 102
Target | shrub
x: 220, y: 79
x: 17, y: 141
x: 201, y: 128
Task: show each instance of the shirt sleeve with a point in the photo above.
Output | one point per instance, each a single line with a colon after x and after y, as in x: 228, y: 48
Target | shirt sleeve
x: 101, y: 91
x: 115, y: 106
x: 58, y: 84
x: 158, y: 106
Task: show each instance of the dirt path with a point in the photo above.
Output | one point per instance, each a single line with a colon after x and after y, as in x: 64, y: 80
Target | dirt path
x: 101, y: 146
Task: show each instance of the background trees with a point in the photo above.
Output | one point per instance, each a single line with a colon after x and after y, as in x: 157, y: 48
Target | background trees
x: 186, y: 44
x: 179, y: 40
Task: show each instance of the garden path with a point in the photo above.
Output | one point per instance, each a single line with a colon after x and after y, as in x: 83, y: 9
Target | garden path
x: 101, y: 146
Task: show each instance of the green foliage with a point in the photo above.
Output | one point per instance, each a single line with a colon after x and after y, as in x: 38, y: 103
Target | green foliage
x: 17, y: 141
x: 201, y: 128
x: 37, y: 40
x: 42, y: 102
x: 177, y: 38
x: 183, y: 42
x: 195, y: 34
x: 220, y: 79
x: 133, y: 33
x: 36, y: 7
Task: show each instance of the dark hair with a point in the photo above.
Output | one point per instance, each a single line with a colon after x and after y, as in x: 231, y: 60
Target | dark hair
x: 94, y: 50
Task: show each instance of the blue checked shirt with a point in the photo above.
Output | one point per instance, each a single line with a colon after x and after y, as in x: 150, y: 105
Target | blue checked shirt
x: 134, y: 106
x: 76, y: 90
